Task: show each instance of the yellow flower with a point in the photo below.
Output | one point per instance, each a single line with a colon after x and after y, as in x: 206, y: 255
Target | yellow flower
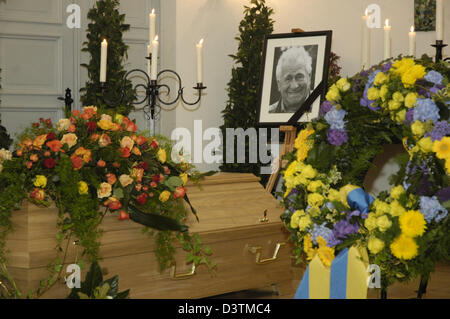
x: 393, y: 105
x: 375, y: 245
x: 425, y: 144
x: 343, y: 84
x: 410, y: 77
x: 118, y: 118
x: 400, y: 116
x: 105, y: 124
x: 184, y: 178
x: 411, y: 99
x: 333, y: 94
x: 41, y: 181
x: 380, y: 78
x: 161, y: 155
x: 295, y: 218
x: 371, y: 222
x: 412, y: 223
x: 397, y: 209
x: 326, y: 255
x: 304, y: 222
x: 398, y: 97
x: 83, y: 188
x: 380, y: 207
x: 309, y: 172
x: 383, y: 223
x: 308, y: 247
x: 401, y: 66
x: 383, y: 92
x: 302, y: 152
x: 125, y: 180
x: 334, y: 195
x: 418, y: 128
x: 442, y: 148
x: 164, y: 197
x: 314, y: 211
x: 314, y: 185
x: 290, y: 170
x: 397, y: 191
x: 373, y: 94
x: 315, y: 199
x: 404, y: 247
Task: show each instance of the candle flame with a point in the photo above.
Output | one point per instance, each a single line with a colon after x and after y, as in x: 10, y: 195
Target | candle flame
x: 387, y: 22
x: 153, y: 11
x: 201, y: 41
x: 156, y: 38
x: 412, y: 28
x: 104, y: 41
x: 366, y: 12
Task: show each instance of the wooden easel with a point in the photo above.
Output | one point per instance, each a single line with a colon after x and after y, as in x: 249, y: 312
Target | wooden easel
x: 287, y: 147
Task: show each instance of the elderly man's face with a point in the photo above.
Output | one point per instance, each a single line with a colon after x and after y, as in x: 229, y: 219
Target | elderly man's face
x: 294, y: 85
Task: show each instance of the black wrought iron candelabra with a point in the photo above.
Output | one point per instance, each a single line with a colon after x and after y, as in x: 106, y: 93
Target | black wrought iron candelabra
x: 439, y: 46
x: 152, y: 88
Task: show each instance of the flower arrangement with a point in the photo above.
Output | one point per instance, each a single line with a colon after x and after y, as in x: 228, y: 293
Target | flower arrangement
x: 92, y: 164
x: 405, y: 231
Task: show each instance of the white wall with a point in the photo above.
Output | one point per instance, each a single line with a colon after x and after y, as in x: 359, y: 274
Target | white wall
x: 186, y: 21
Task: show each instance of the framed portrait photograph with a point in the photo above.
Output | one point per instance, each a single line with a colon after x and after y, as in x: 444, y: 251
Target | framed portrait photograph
x: 294, y: 71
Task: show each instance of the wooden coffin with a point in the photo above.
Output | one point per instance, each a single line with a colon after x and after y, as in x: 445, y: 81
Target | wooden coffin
x: 250, y: 252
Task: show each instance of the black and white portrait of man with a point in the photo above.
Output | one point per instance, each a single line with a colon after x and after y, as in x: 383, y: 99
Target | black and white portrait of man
x: 294, y: 78
x: 294, y: 67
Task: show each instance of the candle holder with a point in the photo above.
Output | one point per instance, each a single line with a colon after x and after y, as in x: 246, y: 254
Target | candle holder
x: 439, y: 46
x: 152, y: 101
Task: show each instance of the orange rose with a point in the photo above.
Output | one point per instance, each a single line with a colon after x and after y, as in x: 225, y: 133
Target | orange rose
x: 101, y: 163
x: 54, y: 146
x: 72, y: 128
x: 136, y: 151
x: 124, y: 152
x: 39, y: 141
x: 77, y: 162
x: 137, y: 174
x: 34, y: 158
x: 141, y: 140
x: 38, y: 194
x: 104, y: 140
x: 84, y: 153
x: 111, y: 178
x: 125, y: 180
x: 127, y: 142
x: 69, y: 139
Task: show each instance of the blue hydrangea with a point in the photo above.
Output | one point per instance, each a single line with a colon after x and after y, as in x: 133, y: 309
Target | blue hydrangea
x: 426, y: 110
x: 432, y: 209
x: 434, y: 77
x: 320, y: 231
x: 336, y: 118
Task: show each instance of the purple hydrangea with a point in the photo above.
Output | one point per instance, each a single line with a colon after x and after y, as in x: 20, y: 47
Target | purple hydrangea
x: 440, y: 130
x: 335, y: 118
x: 387, y: 66
x: 365, y: 100
x: 434, y: 77
x: 409, y: 118
x: 426, y: 110
x: 337, y: 137
x: 343, y: 229
x: 325, y: 108
x: 320, y: 231
x: 444, y: 194
x: 432, y: 209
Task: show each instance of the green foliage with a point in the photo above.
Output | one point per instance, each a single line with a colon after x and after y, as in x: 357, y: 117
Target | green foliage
x: 107, y: 23
x: 93, y: 287
x: 243, y: 88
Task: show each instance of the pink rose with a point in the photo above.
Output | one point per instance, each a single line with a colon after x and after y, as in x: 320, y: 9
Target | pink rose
x: 127, y: 142
x: 69, y: 139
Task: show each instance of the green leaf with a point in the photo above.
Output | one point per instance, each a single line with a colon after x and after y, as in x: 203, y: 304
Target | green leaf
x: 173, y: 182
x: 118, y: 193
x: 156, y: 221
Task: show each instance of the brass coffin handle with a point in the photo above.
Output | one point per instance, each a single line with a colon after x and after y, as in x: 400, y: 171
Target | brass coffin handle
x: 175, y: 276
x: 257, y: 251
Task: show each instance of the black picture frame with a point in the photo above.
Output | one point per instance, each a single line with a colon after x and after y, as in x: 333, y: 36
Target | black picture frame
x: 271, y: 114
